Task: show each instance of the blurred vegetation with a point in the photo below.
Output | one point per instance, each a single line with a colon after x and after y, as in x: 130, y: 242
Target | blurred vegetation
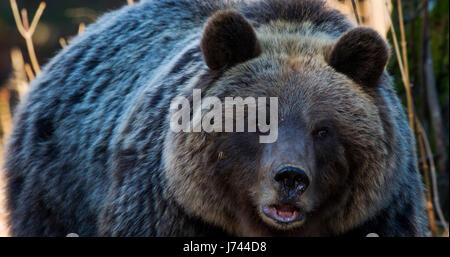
x: 60, y: 20
x: 427, y: 38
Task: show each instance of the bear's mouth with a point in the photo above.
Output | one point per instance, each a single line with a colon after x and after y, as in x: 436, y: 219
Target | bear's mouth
x: 282, y: 213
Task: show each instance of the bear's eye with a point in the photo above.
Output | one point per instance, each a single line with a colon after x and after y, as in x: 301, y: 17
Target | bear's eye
x: 321, y: 133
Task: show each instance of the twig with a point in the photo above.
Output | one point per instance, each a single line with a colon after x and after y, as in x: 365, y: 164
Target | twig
x: 81, y: 28
x: 29, y: 72
x: 5, y: 113
x: 27, y: 31
x: 425, y: 167
x: 424, y: 145
x: 62, y: 42
x: 26, y: 24
x: 19, y: 79
x: 355, y: 11
x: 406, y: 83
x: 437, y: 204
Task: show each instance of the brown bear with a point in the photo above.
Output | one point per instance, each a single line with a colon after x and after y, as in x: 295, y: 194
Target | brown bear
x: 93, y: 152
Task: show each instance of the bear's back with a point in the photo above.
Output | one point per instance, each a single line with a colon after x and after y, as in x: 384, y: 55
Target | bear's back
x: 64, y: 131
x: 68, y: 129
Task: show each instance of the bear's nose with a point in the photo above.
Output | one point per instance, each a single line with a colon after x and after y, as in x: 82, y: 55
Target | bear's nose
x: 292, y: 178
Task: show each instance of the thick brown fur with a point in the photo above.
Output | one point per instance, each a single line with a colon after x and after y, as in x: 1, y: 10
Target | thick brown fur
x: 228, y: 39
x: 92, y: 151
x: 360, y: 54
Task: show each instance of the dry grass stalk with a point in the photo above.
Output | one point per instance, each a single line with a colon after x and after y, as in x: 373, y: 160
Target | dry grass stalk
x: 432, y: 170
x: 5, y: 113
x: 62, y: 42
x: 21, y: 73
x: 356, y: 11
x: 428, y: 200
x: 420, y: 131
x: 130, y: 2
x: 29, y: 72
x: 81, y: 28
x: 27, y: 31
x: 425, y: 149
x: 405, y: 79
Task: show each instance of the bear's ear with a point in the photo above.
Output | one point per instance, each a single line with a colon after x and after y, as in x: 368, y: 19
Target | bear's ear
x: 361, y: 54
x: 228, y: 39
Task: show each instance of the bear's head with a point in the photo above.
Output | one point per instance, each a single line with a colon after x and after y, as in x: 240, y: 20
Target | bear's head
x: 326, y: 170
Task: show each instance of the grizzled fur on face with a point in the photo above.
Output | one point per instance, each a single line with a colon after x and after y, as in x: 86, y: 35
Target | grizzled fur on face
x: 92, y: 152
